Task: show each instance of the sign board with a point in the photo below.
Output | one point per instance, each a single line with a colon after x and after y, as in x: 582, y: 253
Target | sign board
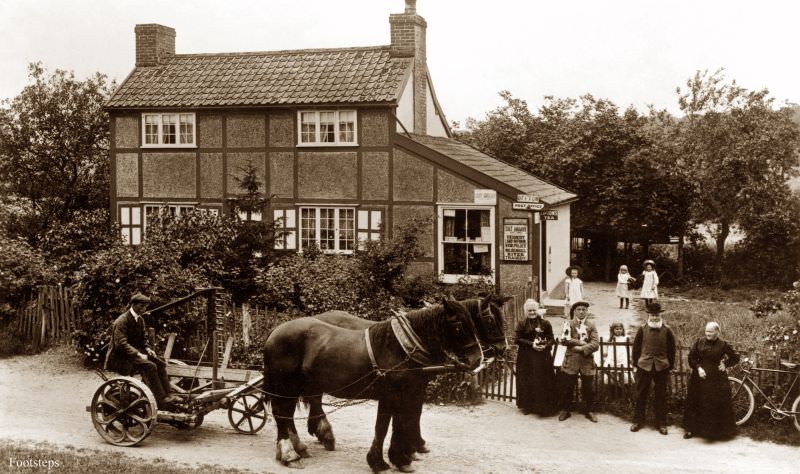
x: 485, y: 196
x: 515, y: 239
x: 527, y: 198
x: 528, y: 206
x: 549, y: 215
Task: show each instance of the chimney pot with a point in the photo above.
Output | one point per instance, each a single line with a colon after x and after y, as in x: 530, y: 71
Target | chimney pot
x: 411, y: 7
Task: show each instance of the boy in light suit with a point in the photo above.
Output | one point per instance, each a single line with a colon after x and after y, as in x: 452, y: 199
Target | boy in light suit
x: 581, y: 339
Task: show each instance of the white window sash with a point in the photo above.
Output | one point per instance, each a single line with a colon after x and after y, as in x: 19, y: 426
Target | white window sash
x: 338, y: 231
x: 352, y: 115
x: 159, y: 122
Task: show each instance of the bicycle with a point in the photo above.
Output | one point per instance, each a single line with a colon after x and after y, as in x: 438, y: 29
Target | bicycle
x: 744, y: 401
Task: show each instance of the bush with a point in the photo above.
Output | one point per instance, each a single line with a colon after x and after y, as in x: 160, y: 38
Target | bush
x: 252, y: 356
x: 22, y: 269
x: 450, y: 388
x: 72, y: 244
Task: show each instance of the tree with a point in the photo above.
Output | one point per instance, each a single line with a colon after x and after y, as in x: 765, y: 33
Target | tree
x: 741, y: 150
x: 619, y: 164
x: 54, y: 148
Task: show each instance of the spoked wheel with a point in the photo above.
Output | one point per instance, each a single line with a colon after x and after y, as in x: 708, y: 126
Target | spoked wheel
x: 247, y: 413
x: 742, y: 400
x: 124, y: 411
x: 796, y: 412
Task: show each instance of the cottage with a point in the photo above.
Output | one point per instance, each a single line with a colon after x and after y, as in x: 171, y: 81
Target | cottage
x: 349, y: 142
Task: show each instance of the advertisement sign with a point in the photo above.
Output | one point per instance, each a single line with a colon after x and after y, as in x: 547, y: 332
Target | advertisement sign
x: 549, y: 215
x: 515, y: 240
x: 486, y: 197
x: 527, y: 206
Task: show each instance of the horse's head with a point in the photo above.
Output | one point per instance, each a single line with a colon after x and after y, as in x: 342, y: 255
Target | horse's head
x: 460, y: 338
x: 490, y: 323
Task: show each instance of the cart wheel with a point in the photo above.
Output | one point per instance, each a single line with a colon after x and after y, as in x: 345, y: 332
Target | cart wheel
x: 123, y: 411
x: 247, y: 413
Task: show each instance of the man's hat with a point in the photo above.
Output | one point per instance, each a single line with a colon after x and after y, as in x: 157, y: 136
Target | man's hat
x: 577, y: 305
x: 138, y: 298
x: 569, y: 269
x: 654, y: 308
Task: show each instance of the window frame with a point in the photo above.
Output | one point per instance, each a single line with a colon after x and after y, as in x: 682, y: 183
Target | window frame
x: 337, y: 250
x: 180, y: 208
x: 131, y: 226
x: 160, y: 130
x: 492, y: 242
x: 317, y: 128
x: 286, y: 227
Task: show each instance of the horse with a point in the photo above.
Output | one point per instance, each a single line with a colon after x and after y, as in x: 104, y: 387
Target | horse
x: 306, y: 357
x: 487, y: 316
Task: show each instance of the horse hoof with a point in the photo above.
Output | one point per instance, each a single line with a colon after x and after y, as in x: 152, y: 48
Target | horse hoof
x: 423, y: 450
x: 296, y: 464
x: 414, y: 457
x: 406, y: 468
x: 304, y: 454
x: 329, y: 444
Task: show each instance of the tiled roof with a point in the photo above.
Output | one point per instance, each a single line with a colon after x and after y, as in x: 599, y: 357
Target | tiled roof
x: 314, y: 76
x: 524, y: 182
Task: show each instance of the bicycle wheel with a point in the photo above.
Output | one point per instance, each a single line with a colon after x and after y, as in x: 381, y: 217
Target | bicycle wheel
x: 796, y: 412
x: 742, y: 401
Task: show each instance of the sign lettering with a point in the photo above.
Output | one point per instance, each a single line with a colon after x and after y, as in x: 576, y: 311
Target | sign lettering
x: 528, y: 206
x: 515, y: 240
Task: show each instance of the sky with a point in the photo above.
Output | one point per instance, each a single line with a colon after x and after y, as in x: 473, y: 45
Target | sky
x: 633, y: 52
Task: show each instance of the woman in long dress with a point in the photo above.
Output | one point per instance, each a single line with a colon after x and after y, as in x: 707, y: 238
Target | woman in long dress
x: 650, y: 284
x: 535, y: 376
x: 709, y: 411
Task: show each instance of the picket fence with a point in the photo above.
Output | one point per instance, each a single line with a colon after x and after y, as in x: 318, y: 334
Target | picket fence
x: 49, y: 316
x: 614, y: 378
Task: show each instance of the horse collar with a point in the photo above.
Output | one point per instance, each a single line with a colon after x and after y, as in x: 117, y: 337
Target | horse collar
x: 409, y: 341
x: 371, y: 353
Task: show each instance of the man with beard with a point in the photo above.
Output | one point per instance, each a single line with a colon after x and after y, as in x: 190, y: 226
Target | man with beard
x: 654, y: 358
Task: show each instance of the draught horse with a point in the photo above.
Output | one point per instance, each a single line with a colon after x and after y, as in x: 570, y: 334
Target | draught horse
x: 306, y: 357
x: 487, y: 316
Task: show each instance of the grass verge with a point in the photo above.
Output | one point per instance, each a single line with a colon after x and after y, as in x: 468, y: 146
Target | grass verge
x: 45, y: 457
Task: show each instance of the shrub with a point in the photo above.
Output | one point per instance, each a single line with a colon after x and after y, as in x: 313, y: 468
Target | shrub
x: 22, y: 269
x: 73, y: 243
x: 253, y: 355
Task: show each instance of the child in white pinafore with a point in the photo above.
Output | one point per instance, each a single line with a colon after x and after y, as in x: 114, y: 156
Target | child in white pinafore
x: 623, y: 291
x: 650, y: 284
x: 573, y: 289
x: 616, y: 354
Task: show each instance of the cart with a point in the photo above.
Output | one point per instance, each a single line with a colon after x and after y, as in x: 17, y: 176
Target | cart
x: 124, y: 411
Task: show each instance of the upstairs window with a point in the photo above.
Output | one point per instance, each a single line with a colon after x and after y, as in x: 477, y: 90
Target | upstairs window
x: 327, y: 127
x: 168, y: 130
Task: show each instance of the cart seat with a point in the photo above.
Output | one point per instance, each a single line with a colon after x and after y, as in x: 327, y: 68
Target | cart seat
x: 789, y: 365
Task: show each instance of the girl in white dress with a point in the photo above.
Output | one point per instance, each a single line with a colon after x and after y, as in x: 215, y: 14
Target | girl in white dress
x: 623, y: 291
x: 616, y: 354
x: 573, y: 289
x: 650, y: 284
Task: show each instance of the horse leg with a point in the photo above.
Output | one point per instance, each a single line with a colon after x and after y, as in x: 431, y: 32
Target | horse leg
x: 375, y: 454
x: 318, y: 424
x: 418, y: 442
x: 399, y: 447
x: 283, y: 412
x: 299, y: 446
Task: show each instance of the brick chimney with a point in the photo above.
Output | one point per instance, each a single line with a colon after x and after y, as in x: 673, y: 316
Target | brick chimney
x: 408, y: 40
x: 154, y: 43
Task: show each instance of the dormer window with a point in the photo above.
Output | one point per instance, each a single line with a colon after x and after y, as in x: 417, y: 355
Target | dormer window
x: 327, y: 128
x: 168, y: 130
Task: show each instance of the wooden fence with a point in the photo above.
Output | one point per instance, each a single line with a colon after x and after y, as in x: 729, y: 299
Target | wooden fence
x: 614, y: 376
x: 49, y: 316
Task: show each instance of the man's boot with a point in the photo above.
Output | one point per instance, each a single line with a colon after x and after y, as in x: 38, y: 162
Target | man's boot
x: 564, y: 415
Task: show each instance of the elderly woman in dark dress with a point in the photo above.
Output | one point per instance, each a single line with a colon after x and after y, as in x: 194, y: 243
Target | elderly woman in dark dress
x: 535, y: 376
x: 708, y: 411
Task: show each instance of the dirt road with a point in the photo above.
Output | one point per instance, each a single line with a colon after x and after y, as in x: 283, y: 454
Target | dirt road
x: 42, y: 398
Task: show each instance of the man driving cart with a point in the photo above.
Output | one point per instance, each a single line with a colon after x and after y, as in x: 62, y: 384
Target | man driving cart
x: 130, y: 352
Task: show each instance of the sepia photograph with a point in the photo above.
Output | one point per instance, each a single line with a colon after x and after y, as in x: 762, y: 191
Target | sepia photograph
x: 375, y: 236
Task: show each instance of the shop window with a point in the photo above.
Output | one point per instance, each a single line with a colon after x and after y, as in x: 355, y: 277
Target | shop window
x: 466, y: 242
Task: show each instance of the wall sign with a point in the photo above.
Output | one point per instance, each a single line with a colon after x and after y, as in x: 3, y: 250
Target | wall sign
x: 549, y: 215
x: 515, y: 239
x: 485, y: 197
x: 528, y: 206
x: 527, y: 198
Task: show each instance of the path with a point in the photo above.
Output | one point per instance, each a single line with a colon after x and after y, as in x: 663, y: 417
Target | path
x: 42, y: 398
